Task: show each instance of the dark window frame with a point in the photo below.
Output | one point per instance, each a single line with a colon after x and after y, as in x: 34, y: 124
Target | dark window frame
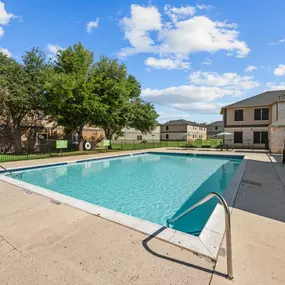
x: 139, y: 137
x: 167, y: 128
x: 260, y: 114
x: 238, y: 140
x: 236, y: 113
x: 167, y: 136
x: 260, y: 137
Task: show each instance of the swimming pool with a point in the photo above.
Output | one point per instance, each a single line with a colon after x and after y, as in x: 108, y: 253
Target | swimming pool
x: 152, y: 187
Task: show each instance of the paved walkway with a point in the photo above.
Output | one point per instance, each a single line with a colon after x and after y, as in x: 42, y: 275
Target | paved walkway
x: 45, y: 243
x: 258, y: 227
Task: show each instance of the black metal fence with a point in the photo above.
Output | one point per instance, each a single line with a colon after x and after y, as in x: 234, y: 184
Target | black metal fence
x: 34, y: 149
x: 246, y: 144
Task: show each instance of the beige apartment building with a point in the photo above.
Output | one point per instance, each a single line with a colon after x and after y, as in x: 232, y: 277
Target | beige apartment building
x: 131, y: 134
x: 256, y: 122
x: 183, y: 130
x: 215, y: 128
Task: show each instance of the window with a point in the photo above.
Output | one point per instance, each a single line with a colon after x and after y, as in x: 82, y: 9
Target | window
x: 261, y: 114
x: 167, y: 128
x: 260, y: 137
x: 237, y: 137
x: 194, y: 136
x: 216, y: 128
x: 239, y: 115
x: 167, y: 136
x: 139, y: 137
x: 200, y: 136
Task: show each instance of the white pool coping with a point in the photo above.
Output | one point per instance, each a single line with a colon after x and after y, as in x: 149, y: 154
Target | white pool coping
x: 206, y: 244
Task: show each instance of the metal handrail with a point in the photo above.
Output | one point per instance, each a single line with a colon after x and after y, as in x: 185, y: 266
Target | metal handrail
x: 227, y: 224
x: 10, y: 172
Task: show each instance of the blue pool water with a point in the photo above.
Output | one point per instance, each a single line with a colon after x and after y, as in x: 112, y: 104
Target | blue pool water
x: 152, y: 187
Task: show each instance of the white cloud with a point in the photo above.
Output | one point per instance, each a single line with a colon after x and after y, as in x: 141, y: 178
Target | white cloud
x: 183, y: 11
x: 200, y: 107
x: 227, y: 80
x: 250, y: 68
x: 276, y: 43
x: 207, y: 61
x: 53, y: 49
x: 176, y: 14
x: 6, y: 52
x: 274, y: 86
x: 174, y: 115
x: 204, y: 7
x: 187, y: 97
x: 202, y: 34
x: 184, y: 94
x: 280, y: 70
x: 5, y: 17
x: 167, y: 63
x: 143, y: 20
x: 183, y: 36
x: 91, y: 25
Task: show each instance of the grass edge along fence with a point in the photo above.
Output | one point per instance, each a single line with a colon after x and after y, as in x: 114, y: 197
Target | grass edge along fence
x: 122, y: 145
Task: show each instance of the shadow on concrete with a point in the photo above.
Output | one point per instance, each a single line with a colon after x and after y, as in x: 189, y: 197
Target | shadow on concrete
x: 262, y: 191
x: 171, y: 259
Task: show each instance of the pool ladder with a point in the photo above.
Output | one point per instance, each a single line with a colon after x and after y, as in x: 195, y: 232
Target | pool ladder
x: 227, y: 224
x: 10, y: 172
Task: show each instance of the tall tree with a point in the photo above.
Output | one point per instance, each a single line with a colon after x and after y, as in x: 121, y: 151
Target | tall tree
x: 143, y: 116
x: 69, y: 97
x: 120, y: 94
x: 20, y: 90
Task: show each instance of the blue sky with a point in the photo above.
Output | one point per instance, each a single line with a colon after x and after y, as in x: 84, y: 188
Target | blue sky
x: 191, y: 57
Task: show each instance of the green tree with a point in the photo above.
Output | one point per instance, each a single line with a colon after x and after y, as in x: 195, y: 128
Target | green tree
x: 120, y: 94
x: 143, y: 116
x: 20, y: 90
x: 70, y: 99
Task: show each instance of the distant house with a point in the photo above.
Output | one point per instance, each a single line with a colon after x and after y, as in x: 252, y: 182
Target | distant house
x: 215, y: 128
x: 183, y: 130
x: 258, y: 121
x: 131, y: 134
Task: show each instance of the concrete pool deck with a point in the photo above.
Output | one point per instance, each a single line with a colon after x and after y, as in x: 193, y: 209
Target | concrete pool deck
x: 45, y: 243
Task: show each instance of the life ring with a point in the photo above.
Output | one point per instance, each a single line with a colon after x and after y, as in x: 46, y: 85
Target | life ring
x: 87, y: 145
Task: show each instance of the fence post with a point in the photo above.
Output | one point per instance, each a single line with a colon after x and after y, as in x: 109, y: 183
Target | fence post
x: 134, y: 144
x: 28, y: 150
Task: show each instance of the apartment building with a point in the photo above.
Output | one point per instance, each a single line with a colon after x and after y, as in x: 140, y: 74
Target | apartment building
x: 183, y: 130
x: 215, y: 128
x: 257, y: 122
x: 131, y: 134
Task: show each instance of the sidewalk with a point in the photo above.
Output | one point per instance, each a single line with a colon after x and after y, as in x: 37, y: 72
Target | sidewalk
x: 258, y: 227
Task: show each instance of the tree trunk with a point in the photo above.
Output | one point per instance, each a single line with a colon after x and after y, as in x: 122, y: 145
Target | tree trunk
x: 80, y: 145
x: 17, y: 138
x: 109, y: 137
